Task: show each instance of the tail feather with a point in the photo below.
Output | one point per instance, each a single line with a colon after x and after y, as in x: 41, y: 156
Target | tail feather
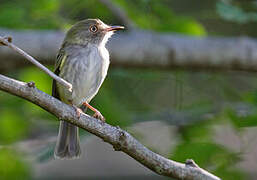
x: 67, y: 146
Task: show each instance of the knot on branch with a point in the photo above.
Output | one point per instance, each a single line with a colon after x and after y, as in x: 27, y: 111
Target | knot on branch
x: 159, y: 170
x: 3, y: 39
x: 31, y: 84
x: 121, y: 140
x: 191, y: 163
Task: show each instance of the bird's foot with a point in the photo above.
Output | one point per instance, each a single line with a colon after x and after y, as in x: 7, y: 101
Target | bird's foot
x: 78, y: 111
x: 99, y: 116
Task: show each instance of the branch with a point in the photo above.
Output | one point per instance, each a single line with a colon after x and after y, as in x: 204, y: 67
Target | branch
x: 145, y: 49
x: 119, y: 13
x: 7, y: 42
x: 120, y: 139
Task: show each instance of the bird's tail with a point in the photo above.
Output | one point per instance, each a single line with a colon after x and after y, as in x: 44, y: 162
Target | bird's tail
x: 67, y: 146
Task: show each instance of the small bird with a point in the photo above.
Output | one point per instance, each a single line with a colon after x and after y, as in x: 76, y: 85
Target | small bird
x: 83, y: 61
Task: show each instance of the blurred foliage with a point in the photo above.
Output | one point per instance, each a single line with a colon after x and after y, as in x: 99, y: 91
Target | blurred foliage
x: 43, y: 82
x: 56, y: 14
x: 12, y: 128
x: 241, y: 121
x: 157, y: 15
x: 46, y: 153
x: 197, y: 144
x: 234, y: 11
x: 12, y: 166
x: 13, y: 124
x: 111, y: 107
x: 82, y: 9
x: 37, y: 14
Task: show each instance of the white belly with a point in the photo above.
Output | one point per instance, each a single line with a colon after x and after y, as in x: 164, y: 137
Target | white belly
x: 87, y: 79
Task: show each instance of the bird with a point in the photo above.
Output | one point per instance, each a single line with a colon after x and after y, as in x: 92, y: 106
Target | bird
x: 83, y: 61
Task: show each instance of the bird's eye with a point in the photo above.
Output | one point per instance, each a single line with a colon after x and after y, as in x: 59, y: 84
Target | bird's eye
x: 93, y: 29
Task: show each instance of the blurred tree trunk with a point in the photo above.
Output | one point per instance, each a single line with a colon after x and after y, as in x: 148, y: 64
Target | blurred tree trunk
x: 144, y: 49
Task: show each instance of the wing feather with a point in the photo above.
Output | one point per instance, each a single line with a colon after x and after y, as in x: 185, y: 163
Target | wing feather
x: 59, y: 62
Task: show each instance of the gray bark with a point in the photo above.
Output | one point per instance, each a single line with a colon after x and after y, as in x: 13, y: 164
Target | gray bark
x: 120, y: 139
x: 144, y: 49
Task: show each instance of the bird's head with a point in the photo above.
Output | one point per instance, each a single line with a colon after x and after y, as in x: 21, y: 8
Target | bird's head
x: 92, y: 31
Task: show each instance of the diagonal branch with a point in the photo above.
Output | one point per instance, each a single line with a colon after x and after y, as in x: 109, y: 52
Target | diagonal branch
x: 120, y: 139
x: 7, y: 42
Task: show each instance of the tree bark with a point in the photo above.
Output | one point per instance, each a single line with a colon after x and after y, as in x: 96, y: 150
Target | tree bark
x: 144, y: 49
x: 120, y: 139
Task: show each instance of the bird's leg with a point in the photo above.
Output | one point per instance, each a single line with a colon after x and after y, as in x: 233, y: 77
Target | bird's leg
x: 97, y: 114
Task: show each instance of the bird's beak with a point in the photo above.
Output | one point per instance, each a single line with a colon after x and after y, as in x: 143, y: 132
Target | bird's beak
x: 114, y: 28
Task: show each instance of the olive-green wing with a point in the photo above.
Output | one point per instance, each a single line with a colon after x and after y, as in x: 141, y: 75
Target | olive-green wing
x: 59, y: 62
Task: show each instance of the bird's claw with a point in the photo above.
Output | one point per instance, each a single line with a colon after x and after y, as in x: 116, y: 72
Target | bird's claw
x: 99, y: 116
x: 78, y: 111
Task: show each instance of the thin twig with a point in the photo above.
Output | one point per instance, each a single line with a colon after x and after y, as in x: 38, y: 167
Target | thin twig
x: 120, y: 139
x: 119, y: 13
x: 7, y: 41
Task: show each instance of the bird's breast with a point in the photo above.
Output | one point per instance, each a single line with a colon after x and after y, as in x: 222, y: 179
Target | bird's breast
x: 91, y: 73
